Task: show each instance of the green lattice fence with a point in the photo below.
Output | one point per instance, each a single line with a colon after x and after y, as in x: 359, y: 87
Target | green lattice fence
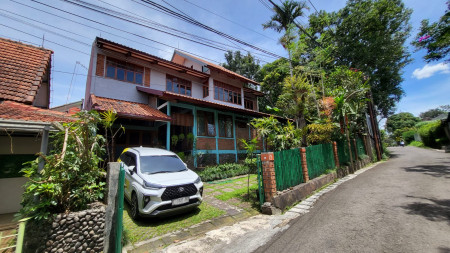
x: 288, y: 168
x: 343, y: 153
x: 319, y: 159
x: 360, y: 147
x: 260, y: 181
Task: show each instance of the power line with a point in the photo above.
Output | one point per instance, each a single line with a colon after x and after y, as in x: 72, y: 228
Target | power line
x: 44, y: 29
x: 199, y: 24
x: 144, y: 19
x: 56, y: 43
x: 236, y: 23
x: 313, y: 6
x: 112, y: 27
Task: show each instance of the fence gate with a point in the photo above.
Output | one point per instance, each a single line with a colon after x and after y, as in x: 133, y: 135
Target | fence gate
x: 260, y: 181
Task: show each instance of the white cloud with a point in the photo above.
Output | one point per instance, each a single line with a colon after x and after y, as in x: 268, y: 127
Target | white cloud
x: 429, y: 70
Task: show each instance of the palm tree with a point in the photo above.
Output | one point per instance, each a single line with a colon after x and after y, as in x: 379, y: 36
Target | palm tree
x: 284, y: 20
x: 285, y: 15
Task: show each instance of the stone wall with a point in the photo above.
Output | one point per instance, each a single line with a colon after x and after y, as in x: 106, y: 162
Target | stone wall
x: 81, y: 231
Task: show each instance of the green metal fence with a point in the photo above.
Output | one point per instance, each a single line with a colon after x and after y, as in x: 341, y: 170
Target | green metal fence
x: 288, y: 168
x: 319, y: 158
x: 343, y: 152
x: 360, y: 147
x: 261, y: 196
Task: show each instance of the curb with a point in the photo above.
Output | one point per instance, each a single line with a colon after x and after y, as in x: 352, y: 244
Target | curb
x: 158, y: 243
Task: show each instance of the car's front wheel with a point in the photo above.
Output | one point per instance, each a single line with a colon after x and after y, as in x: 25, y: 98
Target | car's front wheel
x: 134, y: 207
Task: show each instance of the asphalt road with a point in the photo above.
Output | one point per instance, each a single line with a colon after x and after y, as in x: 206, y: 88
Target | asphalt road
x: 402, y: 205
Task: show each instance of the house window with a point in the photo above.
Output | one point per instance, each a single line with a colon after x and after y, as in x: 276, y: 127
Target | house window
x: 205, y: 91
x: 178, y: 85
x: 249, y: 104
x: 124, y: 71
x: 227, y: 93
x: 205, y: 122
x: 225, y: 126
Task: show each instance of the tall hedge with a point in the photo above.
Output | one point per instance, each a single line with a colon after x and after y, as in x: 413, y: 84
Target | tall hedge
x: 433, y: 134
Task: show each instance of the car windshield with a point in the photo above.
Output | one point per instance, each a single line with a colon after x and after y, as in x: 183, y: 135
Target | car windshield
x: 161, y: 164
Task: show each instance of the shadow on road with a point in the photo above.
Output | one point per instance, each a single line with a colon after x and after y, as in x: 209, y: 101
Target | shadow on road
x: 444, y: 250
x: 432, y: 170
x: 437, y: 210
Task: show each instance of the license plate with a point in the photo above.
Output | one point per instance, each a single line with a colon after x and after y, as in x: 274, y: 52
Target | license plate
x: 180, y: 201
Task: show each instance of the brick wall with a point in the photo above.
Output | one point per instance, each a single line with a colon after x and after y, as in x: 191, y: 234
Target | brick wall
x: 100, y: 68
x: 269, y: 181
x: 206, y: 143
x: 226, y: 144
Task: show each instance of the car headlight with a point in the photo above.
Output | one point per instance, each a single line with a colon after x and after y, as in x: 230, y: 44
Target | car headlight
x: 198, y: 180
x: 152, y: 186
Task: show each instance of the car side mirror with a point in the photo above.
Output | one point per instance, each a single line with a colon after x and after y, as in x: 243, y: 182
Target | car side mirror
x: 132, y: 169
x: 185, y: 164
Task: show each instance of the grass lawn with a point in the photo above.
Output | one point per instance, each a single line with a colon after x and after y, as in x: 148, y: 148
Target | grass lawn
x: 234, y: 192
x: 147, y: 228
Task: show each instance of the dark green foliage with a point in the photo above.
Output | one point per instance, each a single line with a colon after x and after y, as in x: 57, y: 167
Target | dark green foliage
x: 368, y: 35
x: 433, y: 134
x: 271, y: 77
x: 71, y: 178
x: 408, y: 136
x: 245, y: 65
x: 435, y: 38
x: 401, y: 121
x: 285, y: 15
x: 12, y: 164
x: 222, y: 171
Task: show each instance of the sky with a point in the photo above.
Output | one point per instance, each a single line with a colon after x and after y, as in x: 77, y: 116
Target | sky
x: 69, y: 30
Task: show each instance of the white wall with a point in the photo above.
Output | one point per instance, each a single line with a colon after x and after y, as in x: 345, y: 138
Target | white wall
x: 11, y: 194
x: 11, y: 188
x: 111, y: 88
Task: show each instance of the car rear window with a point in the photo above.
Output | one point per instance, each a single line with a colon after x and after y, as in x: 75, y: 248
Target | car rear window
x: 160, y: 164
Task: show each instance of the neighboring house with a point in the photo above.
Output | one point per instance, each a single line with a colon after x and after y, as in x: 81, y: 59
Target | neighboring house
x: 24, y: 116
x: 70, y: 108
x: 185, y: 105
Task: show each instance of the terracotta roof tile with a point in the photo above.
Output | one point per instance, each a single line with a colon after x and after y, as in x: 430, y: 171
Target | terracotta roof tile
x: 11, y: 110
x: 22, y: 68
x: 128, y: 109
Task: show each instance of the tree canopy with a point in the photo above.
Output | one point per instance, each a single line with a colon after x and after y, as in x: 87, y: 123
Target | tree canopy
x: 435, y: 38
x: 433, y: 113
x: 285, y: 15
x: 399, y: 121
x: 367, y: 35
x: 245, y: 65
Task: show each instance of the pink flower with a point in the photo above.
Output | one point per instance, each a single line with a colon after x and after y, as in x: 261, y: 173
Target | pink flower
x: 425, y: 37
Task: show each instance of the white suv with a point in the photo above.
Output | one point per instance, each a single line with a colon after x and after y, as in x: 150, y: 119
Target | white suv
x: 158, y: 182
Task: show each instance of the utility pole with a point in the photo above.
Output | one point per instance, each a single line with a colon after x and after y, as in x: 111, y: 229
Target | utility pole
x: 374, y: 124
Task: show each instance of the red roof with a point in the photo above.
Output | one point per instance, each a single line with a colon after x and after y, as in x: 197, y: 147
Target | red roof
x: 175, y: 96
x: 11, y: 110
x: 128, y: 109
x: 22, y: 68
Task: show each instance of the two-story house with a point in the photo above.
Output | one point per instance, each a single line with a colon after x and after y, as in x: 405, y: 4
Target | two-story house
x: 185, y: 105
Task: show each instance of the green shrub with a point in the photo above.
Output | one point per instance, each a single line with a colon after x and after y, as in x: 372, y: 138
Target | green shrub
x: 416, y: 144
x: 408, y: 136
x: 71, y: 177
x: 222, y: 171
x: 182, y: 156
x: 433, y: 134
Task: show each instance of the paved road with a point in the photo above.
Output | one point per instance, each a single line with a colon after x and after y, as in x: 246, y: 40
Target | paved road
x: 402, y: 205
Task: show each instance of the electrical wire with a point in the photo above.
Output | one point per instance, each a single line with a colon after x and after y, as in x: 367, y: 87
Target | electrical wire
x: 236, y: 23
x: 56, y: 43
